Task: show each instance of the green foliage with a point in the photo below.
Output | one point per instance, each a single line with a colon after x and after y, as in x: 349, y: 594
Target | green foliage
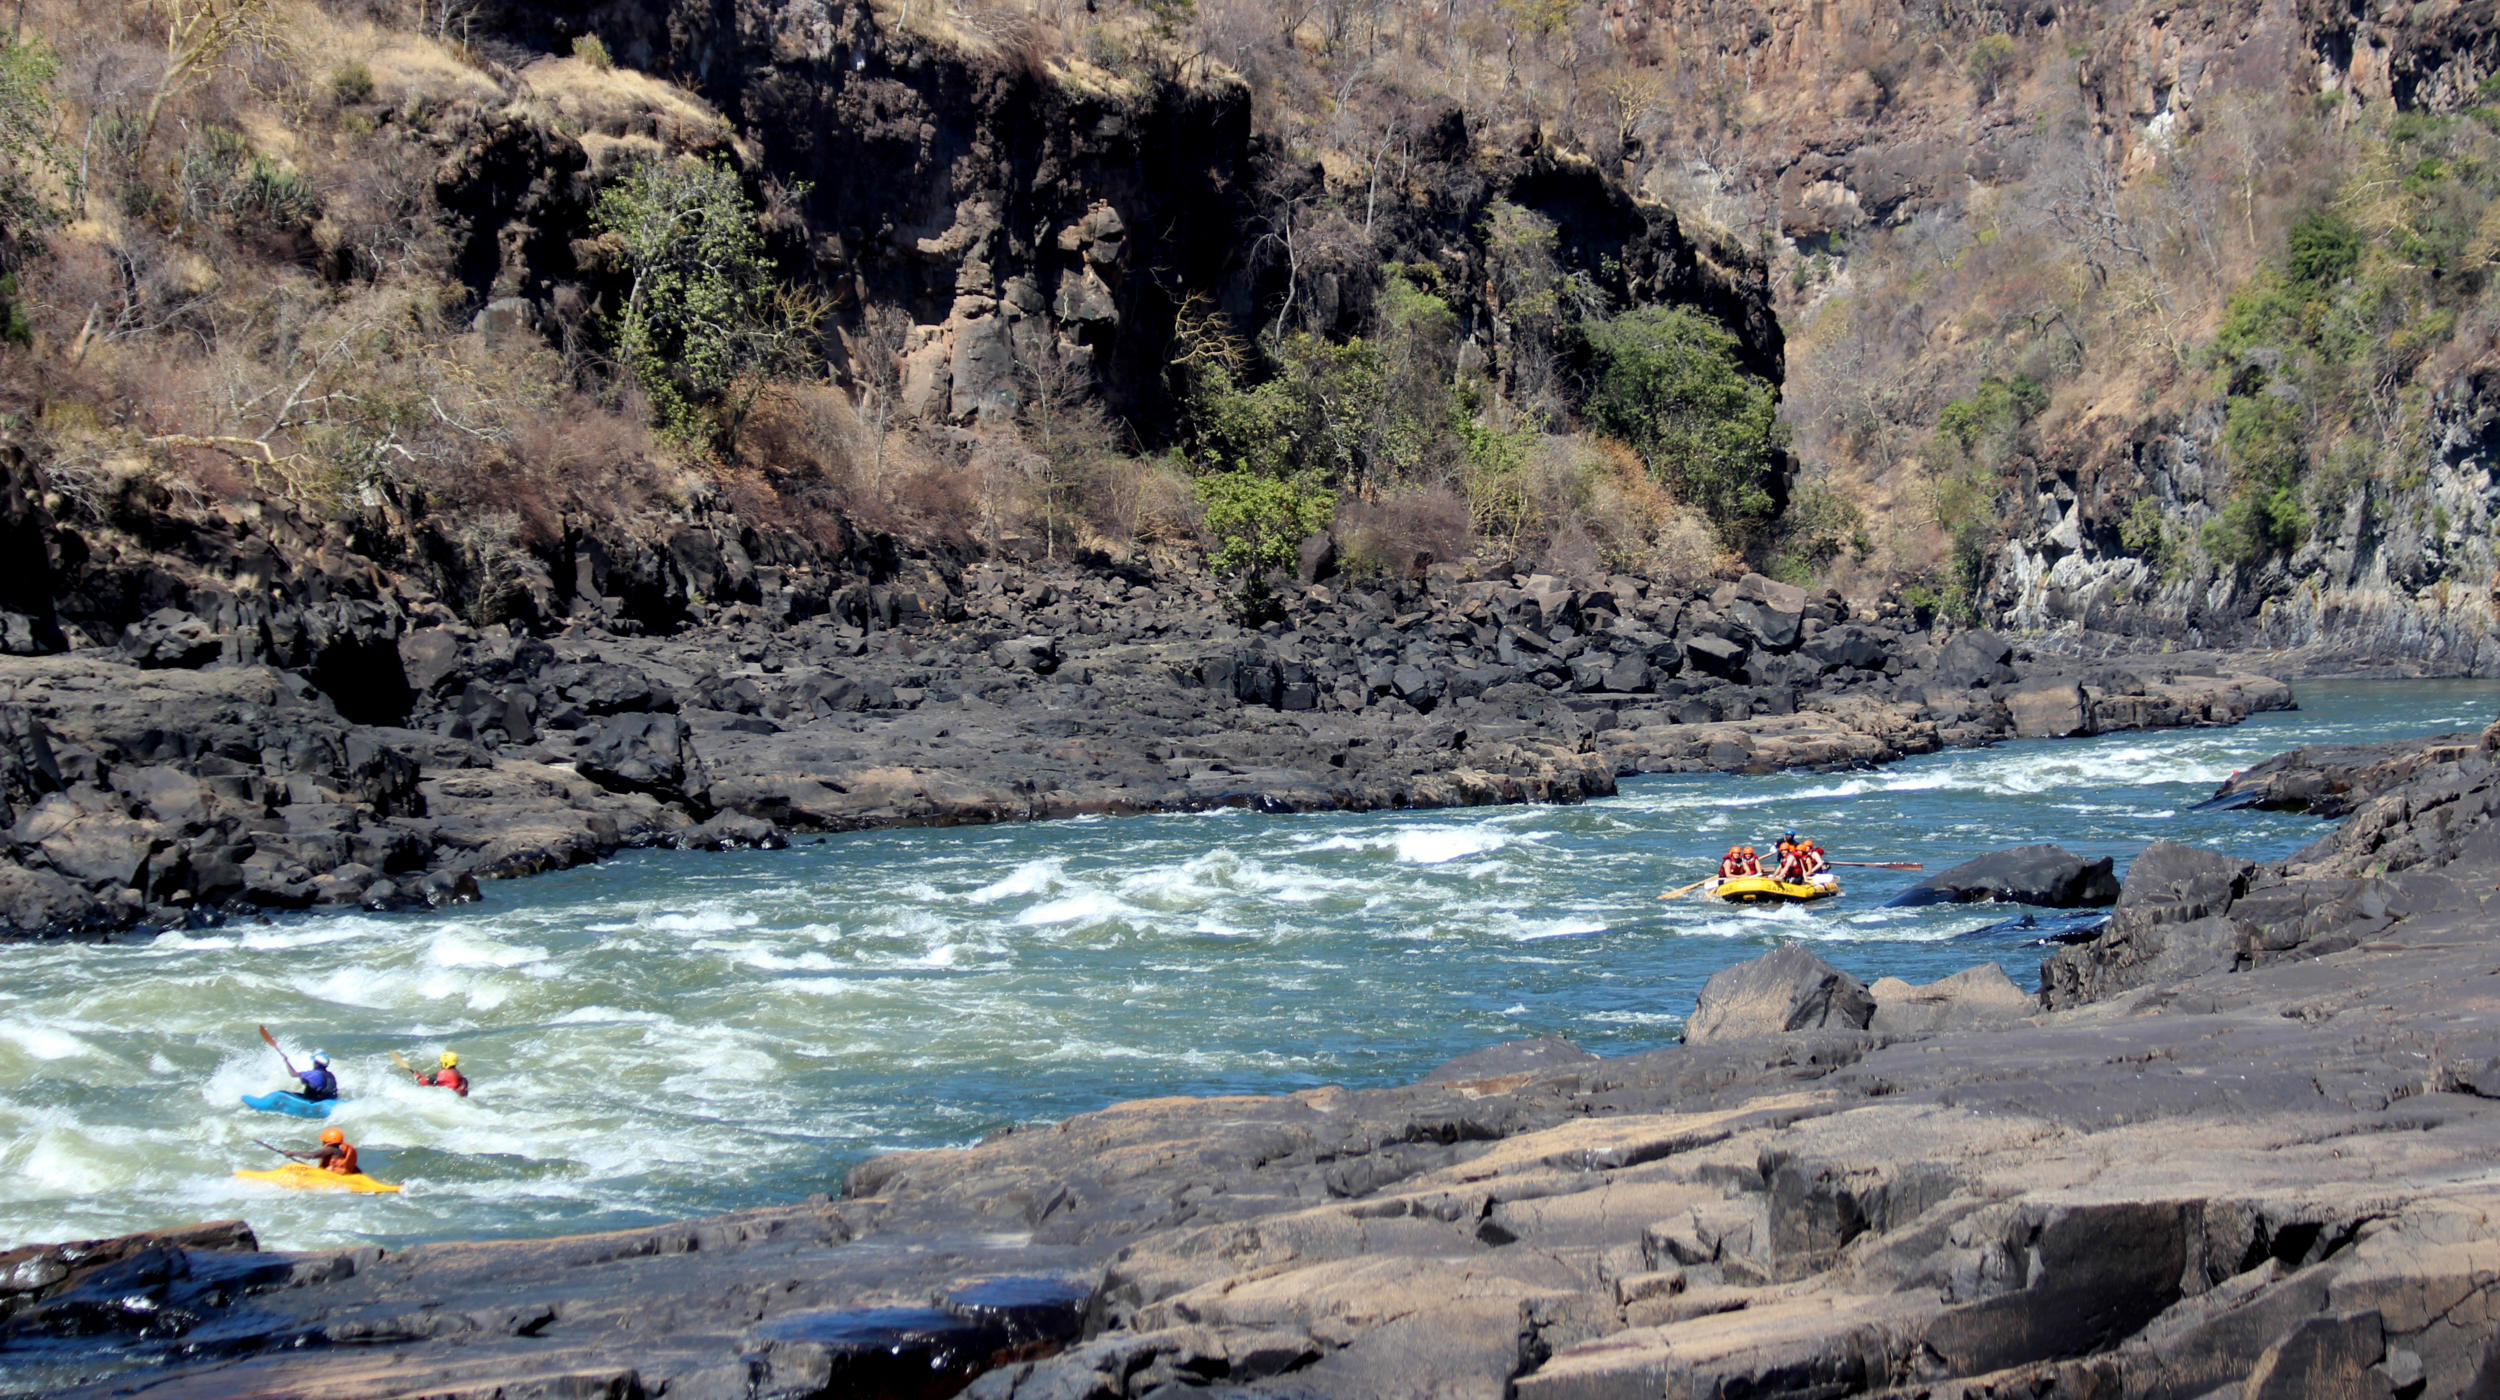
x: 1818, y: 526
x: 1989, y: 420
x: 2322, y: 248
x: 593, y: 50
x: 1168, y: 17
x: 222, y: 179
x: 1990, y: 60
x: 1668, y: 382
x: 1256, y: 523
x: 706, y: 319
x: 2145, y: 533
x: 352, y: 84
x: 2257, y: 524
x: 29, y: 144
x: 1977, y: 438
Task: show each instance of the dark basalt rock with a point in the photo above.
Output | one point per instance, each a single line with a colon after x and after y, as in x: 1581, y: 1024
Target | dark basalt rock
x: 1787, y: 989
x: 2046, y: 875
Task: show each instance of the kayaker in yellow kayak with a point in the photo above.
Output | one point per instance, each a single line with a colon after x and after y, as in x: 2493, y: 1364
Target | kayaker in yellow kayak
x: 337, y: 1154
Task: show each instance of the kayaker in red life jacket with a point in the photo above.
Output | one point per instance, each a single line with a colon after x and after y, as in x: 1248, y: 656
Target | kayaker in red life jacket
x: 337, y: 1154
x: 447, y: 1077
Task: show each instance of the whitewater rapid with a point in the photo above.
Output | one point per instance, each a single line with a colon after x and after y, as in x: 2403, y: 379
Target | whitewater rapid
x: 677, y: 1034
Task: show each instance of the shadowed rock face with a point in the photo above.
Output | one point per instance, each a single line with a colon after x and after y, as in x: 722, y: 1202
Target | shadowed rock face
x: 2265, y: 1173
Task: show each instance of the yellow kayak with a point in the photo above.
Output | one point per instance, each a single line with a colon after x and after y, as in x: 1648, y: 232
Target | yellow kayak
x: 303, y: 1176
x: 1762, y: 889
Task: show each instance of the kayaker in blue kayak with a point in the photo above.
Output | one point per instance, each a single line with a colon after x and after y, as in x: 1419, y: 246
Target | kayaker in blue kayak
x: 319, y: 1083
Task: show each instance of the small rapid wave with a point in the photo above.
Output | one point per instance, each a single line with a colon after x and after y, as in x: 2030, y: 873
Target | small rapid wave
x: 669, y: 1035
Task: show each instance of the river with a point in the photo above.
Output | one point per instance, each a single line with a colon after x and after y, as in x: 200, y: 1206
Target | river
x: 670, y: 1034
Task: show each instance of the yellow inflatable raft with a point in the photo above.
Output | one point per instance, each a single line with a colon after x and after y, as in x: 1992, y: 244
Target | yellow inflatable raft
x: 1762, y: 889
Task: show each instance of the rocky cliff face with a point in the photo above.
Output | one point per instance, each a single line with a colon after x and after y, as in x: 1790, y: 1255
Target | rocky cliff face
x: 1025, y: 210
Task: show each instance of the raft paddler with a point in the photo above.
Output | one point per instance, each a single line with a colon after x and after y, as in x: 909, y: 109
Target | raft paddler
x: 336, y: 1153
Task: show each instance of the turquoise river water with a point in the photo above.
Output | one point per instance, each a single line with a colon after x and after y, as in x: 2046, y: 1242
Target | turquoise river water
x: 671, y: 1034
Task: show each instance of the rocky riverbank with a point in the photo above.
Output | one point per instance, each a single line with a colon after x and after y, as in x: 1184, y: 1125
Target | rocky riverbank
x: 162, y: 780
x: 2238, y: 1146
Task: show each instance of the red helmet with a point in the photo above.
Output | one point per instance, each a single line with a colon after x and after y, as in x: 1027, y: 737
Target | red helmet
x: 333, y: 1136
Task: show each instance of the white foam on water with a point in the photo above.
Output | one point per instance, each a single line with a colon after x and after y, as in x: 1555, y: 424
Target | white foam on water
x: 1556, y: 928
x: 458, y: 947
x: 1031, y: 878
x: 47, y: 1042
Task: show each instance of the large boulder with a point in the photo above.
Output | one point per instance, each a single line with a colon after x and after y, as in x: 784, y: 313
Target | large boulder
x: 2050, y: 876
x: 648, y: 753
x: 1975, y: 659
x: 1786, y: 989
x: 1973, y: 999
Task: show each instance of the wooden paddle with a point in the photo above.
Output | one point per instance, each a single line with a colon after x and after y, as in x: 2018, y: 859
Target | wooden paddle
x: 282, y: 1059
x: 403, y: 1064
x: 1879, y: 864
x: 1688, y: 889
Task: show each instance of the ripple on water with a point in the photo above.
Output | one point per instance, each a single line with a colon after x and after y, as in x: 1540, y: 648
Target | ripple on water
x: 674, y: 1034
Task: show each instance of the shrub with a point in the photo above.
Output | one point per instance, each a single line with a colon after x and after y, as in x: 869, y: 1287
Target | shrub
x: 1398, y: 534
x: 2322, y: 248
x: 1668, y: 382
x: 593, y: 50
x: 1990, y: 60
x: 705, y: 321
x: 1255, y: 523
x: 352, y: 84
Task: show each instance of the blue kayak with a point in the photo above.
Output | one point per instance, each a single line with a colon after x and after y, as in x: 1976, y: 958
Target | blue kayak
x: 293, y: 1105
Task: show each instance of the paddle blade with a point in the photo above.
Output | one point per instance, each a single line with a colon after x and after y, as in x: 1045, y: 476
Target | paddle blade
x: 273, y: 1040
x: 399, y: 1060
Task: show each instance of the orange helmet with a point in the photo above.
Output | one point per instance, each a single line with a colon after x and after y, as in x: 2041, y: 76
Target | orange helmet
x: 333, y: 1136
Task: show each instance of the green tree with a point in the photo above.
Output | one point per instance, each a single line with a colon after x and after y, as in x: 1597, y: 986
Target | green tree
x: 1255, y: 523
x: 28, y: 143
x: 706, y: 322
x: 1669, y: 383
x: 1990, y: 60
x: 2322, y: 248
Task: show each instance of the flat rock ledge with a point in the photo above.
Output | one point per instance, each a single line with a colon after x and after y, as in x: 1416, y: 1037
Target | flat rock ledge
x: 2265, y: 1173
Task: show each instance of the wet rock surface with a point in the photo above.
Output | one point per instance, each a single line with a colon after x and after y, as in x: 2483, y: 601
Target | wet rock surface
x: 2263, y: 1173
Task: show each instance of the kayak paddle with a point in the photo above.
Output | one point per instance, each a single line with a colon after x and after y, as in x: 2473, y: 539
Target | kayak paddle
x: 1688, y: 889
x: 273, y: 1044
x: 402, y: 1063
x: 274, y: 1148
x: 1880, y: 864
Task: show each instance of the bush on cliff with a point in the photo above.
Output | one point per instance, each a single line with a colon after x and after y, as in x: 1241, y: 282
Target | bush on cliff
x: 1668, y: 381
x: 706, y: 322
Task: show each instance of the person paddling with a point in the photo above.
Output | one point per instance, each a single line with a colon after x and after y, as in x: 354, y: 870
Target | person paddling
x: 320, y: 1085
x: 448, y: 1076
x: 1732, y: 864
x: 336, y: 1154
